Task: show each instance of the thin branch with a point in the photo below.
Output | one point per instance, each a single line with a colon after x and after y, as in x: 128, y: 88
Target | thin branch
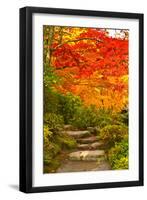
x: 76, y: 40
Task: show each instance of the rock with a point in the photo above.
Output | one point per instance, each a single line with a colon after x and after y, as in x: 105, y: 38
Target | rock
x: 96, y: 145
x: 68, y: 127
x: 90, y: 129
x: 93, y: 130
x: 87, y: 155
x: 78, y: 134
x: 84, y: 146
x: 87, y: 140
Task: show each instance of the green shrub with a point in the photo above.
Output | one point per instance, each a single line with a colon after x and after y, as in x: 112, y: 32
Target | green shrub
x: 104, y: 118
x: 85, y: 117
x: 118, y: 155
x: 111, y: 134
x: 53, y: 121
x: 54, y: 143
x: 50, y: 149
x: 121, y: 164
x: 64, y: 105
x: 124, y: 118
x: 120, y: 118
x: 50, y: 101
x: 47, y: 133
x: 65, y: 141
x: 91, y: 117
x: 68, y: 106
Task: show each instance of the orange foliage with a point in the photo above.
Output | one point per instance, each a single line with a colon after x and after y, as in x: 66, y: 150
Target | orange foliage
x: 93, y: 65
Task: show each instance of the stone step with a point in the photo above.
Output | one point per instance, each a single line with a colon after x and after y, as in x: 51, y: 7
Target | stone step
x: 68, y: 127
x: 89, y: 146
x: 93, y: 130
x: 87, y: 140
x: 81, y: 166
x: 78, y: 134
x: 87, y: 155
x: 84, y: 146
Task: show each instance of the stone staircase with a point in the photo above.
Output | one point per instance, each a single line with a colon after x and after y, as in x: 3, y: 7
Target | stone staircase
x: 88, y: 146
x: 89, y: 155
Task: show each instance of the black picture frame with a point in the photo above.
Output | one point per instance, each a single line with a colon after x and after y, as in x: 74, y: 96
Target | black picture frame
x: 26, y: 97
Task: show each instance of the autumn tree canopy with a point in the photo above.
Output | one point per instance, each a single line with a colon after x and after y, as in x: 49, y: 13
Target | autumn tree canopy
x: 88, y: 62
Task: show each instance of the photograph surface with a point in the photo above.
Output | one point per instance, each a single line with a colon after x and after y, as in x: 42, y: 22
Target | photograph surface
x: 85, y: 99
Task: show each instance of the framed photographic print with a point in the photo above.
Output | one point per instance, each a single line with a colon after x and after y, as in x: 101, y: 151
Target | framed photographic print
x: 81, y: 99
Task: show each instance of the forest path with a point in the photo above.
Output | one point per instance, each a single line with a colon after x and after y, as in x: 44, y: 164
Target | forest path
x: 88, y: 156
